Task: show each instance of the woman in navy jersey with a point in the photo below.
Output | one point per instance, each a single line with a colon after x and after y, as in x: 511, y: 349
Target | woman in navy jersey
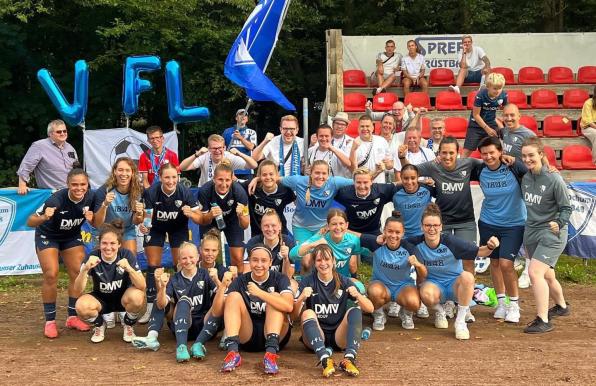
x: 118, y: 284
x: 209, y: 250
x: 330, y: 309
x: 58, y: 234
x: 172, y: 205
x: 256, y: 312
x: 411, y: 199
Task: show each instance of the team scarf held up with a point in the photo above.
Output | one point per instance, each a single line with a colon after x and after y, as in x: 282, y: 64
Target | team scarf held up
x: 295, y: 162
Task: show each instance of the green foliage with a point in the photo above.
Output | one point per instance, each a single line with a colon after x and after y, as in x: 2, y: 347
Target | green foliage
x: 576, y: 270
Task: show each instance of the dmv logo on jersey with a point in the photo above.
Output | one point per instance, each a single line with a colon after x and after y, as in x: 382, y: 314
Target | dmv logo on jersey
x: 532, y: 198
x: 68, y: 224
x: 323, y: 310
x: 197, y: 300
x: 165, y: 216
x: 452, y: 186
x: 110, y: 287
x: 316, y: 203
x: 257, y: 307
x: 8, y: 211
x: 365, y: 214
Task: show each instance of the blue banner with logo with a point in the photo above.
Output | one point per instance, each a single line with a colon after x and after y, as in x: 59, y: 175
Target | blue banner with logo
x: 582, y: 223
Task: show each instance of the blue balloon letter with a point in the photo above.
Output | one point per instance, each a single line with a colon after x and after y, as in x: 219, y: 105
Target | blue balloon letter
x: 133, y: 85
x: 74, y: 113
x: 176, y: 109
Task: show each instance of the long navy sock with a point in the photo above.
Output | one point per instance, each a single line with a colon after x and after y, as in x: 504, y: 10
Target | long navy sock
x: 232, y: 343
x: 354, y: 332
x: 97, y: 321
x: 182, y: 320
x: 49, y: 311
x: 157, y: 317
x: 272, y: 343
x: 151, y: 290
x: 310, y: 329
x: 210, y: 328
x: 72, y: 311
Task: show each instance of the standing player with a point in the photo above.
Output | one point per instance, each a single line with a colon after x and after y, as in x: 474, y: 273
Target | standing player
x: 58, y: 233
x: 255, y: 312
x: 172, y: 205
x: 330, y: 309
x: 545, y: 236
x: 411, y: 200
x: 153, y: 159
x: 225, y: 206
x: 241, y: 138
x: 285, y: 150
x: 118, y: 284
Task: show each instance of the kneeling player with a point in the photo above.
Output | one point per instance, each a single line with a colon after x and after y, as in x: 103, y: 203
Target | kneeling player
x: 118, y: 284
x: 329, y: 319
x: 256, y: 309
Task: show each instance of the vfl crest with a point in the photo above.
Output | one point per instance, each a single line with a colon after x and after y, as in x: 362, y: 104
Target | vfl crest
x: 542, y: 188
x: 178, y: 203
x: 278, y: 201
x: 376, y: 201
x: 339, y: 293
x: 8, y: 211
x: 230, y: 202
x: 201, y: 284
x: 464, y: 173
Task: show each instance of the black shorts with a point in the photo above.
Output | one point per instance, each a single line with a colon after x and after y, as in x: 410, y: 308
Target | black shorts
x: 330, y: 340
x: 157, y: 238
x: 43, y: 242
x: 109, y: 302
x: 195, y: 327
x: 234, y: 234
x: 510, y: 239
x: 256, y: 343
x: 475, y: 134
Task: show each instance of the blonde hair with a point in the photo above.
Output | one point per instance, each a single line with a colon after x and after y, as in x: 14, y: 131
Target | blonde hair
x: 495, y: 79
x: 290, y: 118
x: 191, y: 246
x: 361, y: 171
x: 224, y: 166
x: 215, y: 138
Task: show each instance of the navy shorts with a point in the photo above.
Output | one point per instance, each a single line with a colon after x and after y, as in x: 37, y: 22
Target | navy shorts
x: 473, y: 77
x: 234, y: 234
x: 475, y: 134
x: 43, y: 242
x: 195, y: 327
x: 510, y: 239
x: 256, y: 343
x: 157, y: 238
x: 109, y: 302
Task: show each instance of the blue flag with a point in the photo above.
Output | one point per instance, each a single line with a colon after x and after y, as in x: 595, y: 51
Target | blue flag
x: 250, y: 53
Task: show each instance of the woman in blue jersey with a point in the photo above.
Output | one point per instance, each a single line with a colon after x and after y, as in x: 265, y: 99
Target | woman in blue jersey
x: 191, y: 301
x: 411, y: 200
x: 58, y: 234
x: 330, y: 309
x: 120, y: 198
x: 391, y: 282
x: 503, y: 215
x: 442, y: 254
x: 172, y: 205
x: 256, y: 312
x: 118, y: 284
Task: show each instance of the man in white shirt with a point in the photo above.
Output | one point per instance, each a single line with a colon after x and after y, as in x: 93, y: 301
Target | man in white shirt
x: 342, y: 141
x: 285, y: 150
x: 326, y: 151
x: 472, y: 66
x: 388, y: 67
x: 370, y: 151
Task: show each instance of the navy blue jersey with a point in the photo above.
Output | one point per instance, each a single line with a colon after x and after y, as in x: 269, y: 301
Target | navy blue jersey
x: 411, y: 206
x: 488, y: 106
x: 167, y: 209
x: 66, y: 222
x: 330, y: 307
x: 390, y: 266
x: 227, y: 203
x: 108, y: 278
x: 275, y: 282
x: 444, y: 262
x: 260, y: 201
x: 277, y: 263
x: 199, y: 288
x: 364, y: 214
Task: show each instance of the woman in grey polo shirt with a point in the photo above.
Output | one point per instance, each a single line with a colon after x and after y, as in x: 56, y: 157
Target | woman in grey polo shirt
x: 545, y: 236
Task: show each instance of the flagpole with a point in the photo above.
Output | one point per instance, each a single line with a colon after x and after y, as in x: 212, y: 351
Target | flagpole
x: 305, y: 129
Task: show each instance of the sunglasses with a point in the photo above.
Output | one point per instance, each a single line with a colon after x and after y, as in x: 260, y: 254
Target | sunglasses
x: 60, y: 131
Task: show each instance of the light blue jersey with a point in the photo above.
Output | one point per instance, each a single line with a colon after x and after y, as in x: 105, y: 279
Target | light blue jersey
x: 411, y: 206
x: 312, y: 215
x: 119, y: 208
x: 390, y: 267
x: 348, y: 246
x: 503, y: 204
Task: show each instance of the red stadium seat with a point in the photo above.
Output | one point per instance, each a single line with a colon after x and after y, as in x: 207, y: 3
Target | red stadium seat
x: 577, y: 157
x: 476, y: 154
x: 426, y: 127
x: 448, y: 100
x: 377, y: 125
x: 560, y: 75
x: 544, y: 99
x: 506, y: 72
x: 518, y: 98
x: 530, y: 75
x: 354, y: 102
x: 441, y: 77
x: 352, y: 129
x: 418, y: 99
x: 470, y: 99
x: 574, y: 99
x: 586, y: 74
x: 384, y: 101
x: 456, y: 126
x: 550, y: 154
x: 530, y: 122
x: 557, y: 126
x: 354, y: 78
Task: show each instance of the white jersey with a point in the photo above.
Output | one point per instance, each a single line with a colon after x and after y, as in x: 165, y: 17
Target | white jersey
x: 390, y: 64
x: 271, y: 152
x: 369, y: 154
x: 413, y: 65
x: 314, y: 154
x: 205, y: 164
x: 420, y: 157
x: 474, y: 59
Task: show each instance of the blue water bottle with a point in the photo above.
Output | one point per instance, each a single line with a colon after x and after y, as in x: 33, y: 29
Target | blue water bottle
x: 366, y: 333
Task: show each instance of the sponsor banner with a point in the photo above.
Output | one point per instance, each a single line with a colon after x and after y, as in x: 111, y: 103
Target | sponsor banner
x: 582, y: 223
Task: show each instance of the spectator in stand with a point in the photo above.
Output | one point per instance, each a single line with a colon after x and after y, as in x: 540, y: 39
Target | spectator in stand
x: 285, y: 150
x: 151, y: 160
x: 437, y: 131
x: 242, y: 138
x: 413, y: 67
x: 388, y: 65
x: 50, y: 160
x: 342, y: 141
x: 473, y: 65
x: 588, y: 124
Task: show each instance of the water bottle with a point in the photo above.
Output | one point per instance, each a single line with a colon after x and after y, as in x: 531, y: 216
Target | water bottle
x: 366, y: 333
x: 147, y: 220
x: 219, y: 220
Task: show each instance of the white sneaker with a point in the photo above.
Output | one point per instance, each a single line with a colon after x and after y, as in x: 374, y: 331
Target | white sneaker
x: 524, y: 280
x: 147, y: 342
x: 469, y: 317
x: 379, y: 320
x: 481, y: 264
x: 393, y: 310
x: 99, y: 334
x: 461, y: 331
x: 449, y: 308
x: 441, y: 320
x: 500, y: 312
x: 454, y: 88
x: 422, y: 312
x: 128, y: 334
x: 407, y: 321
x: 110, y: 319
x: 512, y: 313
x: 145, y: 318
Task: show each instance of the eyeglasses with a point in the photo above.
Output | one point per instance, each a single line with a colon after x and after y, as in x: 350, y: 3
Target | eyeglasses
x: 437, y: 128
x: 220, y: 148
x: 287, y: 128
x: 155, y: 138
x: 60, y: 131
x: 429, y: 226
